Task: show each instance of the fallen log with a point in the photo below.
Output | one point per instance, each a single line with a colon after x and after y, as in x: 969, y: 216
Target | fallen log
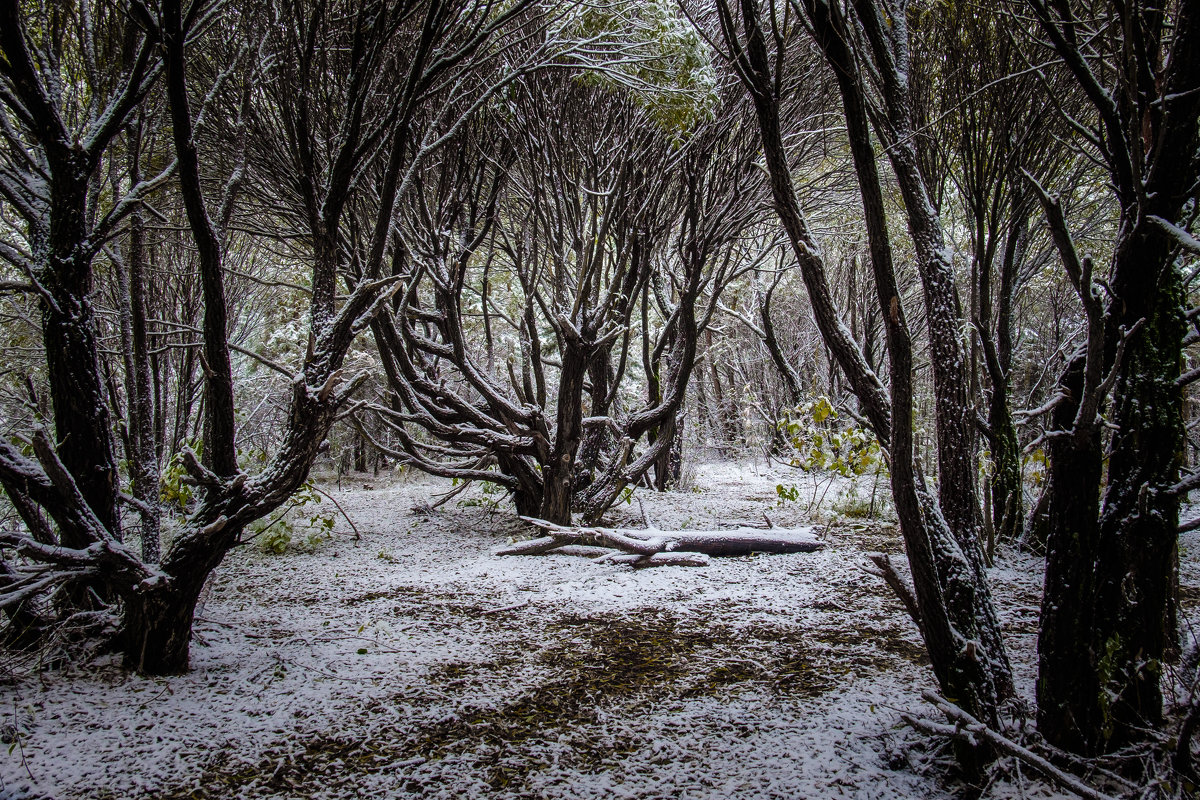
x: 738, y: 542
x: 676, y: 559
x: 533, y: 547
x: 744, y: 541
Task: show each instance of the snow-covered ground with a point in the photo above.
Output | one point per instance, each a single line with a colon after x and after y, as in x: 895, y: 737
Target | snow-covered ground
x: 415, y: 663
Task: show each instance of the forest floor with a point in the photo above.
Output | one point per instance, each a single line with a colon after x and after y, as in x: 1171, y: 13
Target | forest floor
x: 413, y: 662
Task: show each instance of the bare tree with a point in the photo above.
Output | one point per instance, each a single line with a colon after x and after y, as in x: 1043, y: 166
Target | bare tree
x: 1007, y: 125
x: 567, y: 233
x: 70, y: 80
x: 956, y: 613
x: 270, y: 75
x: 1111, y: 548
x: 720, y: 197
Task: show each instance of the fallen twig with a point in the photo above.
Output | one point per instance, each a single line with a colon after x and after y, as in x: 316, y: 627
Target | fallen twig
x: 502, y: 609
x: 353, y: 527
x: 967, y: 728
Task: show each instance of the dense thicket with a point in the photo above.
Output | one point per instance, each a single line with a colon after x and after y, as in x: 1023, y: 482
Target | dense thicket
x: 564, y: 248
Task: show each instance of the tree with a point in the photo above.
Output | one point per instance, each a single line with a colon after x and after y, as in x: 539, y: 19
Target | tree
x: 983, y: 143
x: 570, y: 224
x: 1111, y: 547
x: 70, y: 81
x: 956, y: 614
x: 719, y: 198
x: 269, y: 67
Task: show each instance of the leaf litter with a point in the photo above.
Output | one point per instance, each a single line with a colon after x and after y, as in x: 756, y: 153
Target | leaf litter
x: 415, y: 663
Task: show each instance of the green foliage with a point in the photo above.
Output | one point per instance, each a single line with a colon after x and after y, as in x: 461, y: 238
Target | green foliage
x: 174, y: 491
x: 850, y: 505
x: 276, y: 538
x: 651, y: 47
x: 492, y: 493
x: 1034, y: 465
x: 819, y: 444
x: 300, y: 527
x: 251, y: 458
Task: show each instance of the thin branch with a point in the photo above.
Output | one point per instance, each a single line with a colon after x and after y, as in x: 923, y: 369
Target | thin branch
x: 967, y: 728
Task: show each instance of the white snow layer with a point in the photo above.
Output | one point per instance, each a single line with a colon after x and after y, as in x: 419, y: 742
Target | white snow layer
x: 415, y: 663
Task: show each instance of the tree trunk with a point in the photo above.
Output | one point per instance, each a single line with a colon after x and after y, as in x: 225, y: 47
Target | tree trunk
x: 158, y: 632
x: 958, y: 619
x: 143, y: 454
x: 738, y: 542
x: 1005, y: 481
x: 82, y: 424
x: 156, y: 624
x: 1141, y: 515
x: 669, y: 464
x: 1106, y: 610
x: 360, y: 452
x: 597, y: 439
x: 1005, y: 485
x: 791, y: 377
x: 220, y: 441
x: 81, y: 420
x: 557, y: 472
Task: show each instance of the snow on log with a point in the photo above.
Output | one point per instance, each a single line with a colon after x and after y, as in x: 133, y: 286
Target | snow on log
x: 678, y: 559
x: 738, y: 542
x: 533, y: 547
x: 744, y: 541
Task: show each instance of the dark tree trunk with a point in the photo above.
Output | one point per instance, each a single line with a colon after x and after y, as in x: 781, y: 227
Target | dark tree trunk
x: 1138, y: 528
x: 1068, y: 689
x: 143, y: 452
x: 81, y: 419
x: 157, y: 623
x: 597, y: 439
x: 82, y: 424
x: 528, y: 504
x: 954, y: 414
x: 668, y: 467
x: 1005, y: 485
x: 220, y: 440
x: 791, y: 377
x: 158, y: 632
x: 1005, y: 481
x: 1106, y: 608
x: 557, y: 473
x: 952, y: 594
x: 1106, y: 611
x: 360, y: 452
